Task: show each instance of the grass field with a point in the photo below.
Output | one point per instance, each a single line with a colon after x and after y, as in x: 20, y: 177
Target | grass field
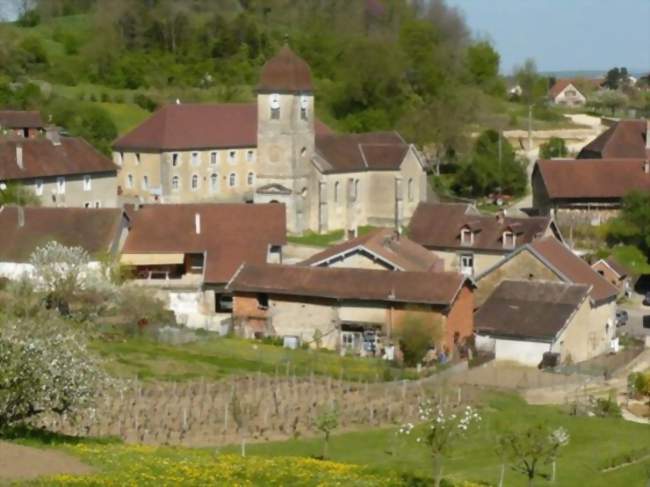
x: 377, y: 457
x: 215, y: 358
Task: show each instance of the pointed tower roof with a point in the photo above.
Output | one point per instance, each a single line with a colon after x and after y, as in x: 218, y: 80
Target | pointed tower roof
x: 285, y: 72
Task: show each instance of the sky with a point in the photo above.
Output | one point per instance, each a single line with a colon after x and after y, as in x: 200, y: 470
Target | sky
x: 564, y: 35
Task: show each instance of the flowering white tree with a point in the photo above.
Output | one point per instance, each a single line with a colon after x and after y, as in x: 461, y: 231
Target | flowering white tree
x: 60, y: 271
x: 443, y: 427
x: 44, y: 368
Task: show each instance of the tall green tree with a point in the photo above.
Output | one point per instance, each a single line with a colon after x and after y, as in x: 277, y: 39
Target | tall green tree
x: 632, y: 226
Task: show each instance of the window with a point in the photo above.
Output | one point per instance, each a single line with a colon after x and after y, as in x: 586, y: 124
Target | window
x: 357, y: 189
x: 38, y: 187
x: 250, y: 155
x: 467, y: 264
x: 303, y: 152
x: 176, y: 183
x: 509, y: 239
x: 87, y: 183
x: 232, y: 180
x: 195, y: 182
x: 98, y: 204
x: 129, y: 180
x: 466, y: 237
x: 250, y: 179
x: 87, y: 204
x: 411, y: 189
x: 304, y: 106
x: 214, y: 182
x: 263, y: 300
x: 336, y: 192
x: 175, y: 159
x: 196, y: 160
x: 60, y: 185
x: 145, y: 182
x: 119, y: 158
x: 213, y: 158
x: 232, y: 156
x: 137, y: 159
x: 275, y: 107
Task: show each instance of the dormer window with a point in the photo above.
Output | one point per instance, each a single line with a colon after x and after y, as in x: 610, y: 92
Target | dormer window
x: 304, y: 106
x: 275, y: 106
x: 466, y: 236
x: 509, y: 239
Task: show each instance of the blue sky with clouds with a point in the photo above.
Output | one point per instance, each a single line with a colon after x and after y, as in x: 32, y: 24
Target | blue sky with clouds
x: 564, y: 34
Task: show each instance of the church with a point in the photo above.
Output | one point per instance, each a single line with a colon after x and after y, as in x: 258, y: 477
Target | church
x: 274, y: 150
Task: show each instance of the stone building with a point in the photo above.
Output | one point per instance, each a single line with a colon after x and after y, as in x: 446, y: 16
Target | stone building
x: 469, y: 241
x: 350, y: 309
x: 27, y: 124
x: 274, y: 150
x: 60, y: 171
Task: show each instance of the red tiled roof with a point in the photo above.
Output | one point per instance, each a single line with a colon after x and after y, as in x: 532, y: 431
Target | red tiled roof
x: 560, y: 85
x: 17, y: 119
x: 285, y: 72
x: 41, y: 158
x: 230, y: 233
x: 198, y: 126
x: 529, y: 309
x: 625, y: 139
x: 574, y: 268
x: 94, y: 229
x: 399, y: 251
x: 438, y: 226
x: 360, y: 152
x: 439, y: 288
x: 593, y: 178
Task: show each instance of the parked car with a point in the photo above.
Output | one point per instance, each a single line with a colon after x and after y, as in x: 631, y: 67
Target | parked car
x: 621, y: 317
x: 646, y: 299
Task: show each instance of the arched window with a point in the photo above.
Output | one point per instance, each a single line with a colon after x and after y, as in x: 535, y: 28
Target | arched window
x: 195, y: 182
x: 275, y: 106
x: 250, y: 179
x: 232, y: 180
x: 336, y: 192
x: 357, y: 189
x: 214, y: 182
x: 176, y: 183
x: 304, y: 106
x: 411, y: 189
x: 145, y: 182
x: 509, y: 240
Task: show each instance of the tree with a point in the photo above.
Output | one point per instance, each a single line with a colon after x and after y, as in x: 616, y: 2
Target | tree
x: 555, y: 147
x: 60, y: 271
x: 16, y: 194
x: 492, y: 167
x: 609, y: 100
x: 532, y: 448
x: 632, y: 226
x: 46, y: 368
x: 417, y: 333
x: 483, y: 66
x: 443, y: 427
x: 616, y: 78
x: 326, y: 422
x: 533, y: 85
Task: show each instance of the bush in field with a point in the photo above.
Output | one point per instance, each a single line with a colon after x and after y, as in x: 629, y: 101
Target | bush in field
x: 46, y: 368
x: 326, y: 422
x: 60, y: 272
x: 417, y: 333
x: 138, y: 306
x: 555, y: 147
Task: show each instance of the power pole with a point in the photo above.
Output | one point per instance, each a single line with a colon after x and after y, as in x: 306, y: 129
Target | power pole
x: 530, y: 127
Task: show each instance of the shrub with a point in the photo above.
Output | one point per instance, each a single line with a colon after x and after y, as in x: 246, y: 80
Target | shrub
x: 145, y: 102
x: 417, y: 333
x: 555, y: 147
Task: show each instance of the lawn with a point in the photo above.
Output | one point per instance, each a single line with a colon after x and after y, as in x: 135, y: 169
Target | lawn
x: 125, y: 115
x: 216, y: 357
x: 374, y: 458
x: 317, y: 239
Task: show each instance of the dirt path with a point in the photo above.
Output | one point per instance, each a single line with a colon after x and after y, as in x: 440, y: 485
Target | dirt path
x: 19, y: 462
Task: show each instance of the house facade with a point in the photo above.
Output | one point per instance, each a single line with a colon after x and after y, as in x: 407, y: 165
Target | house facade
x: 350, y: 309
x: 26, y: 124
x: 524, y: 320
x: 274, y: 150
x: 189, y: 252
x: 469, y: 241
x: 60, y: 171
x: 100, y: 232
x: 564, y: 92
x: 549, y: 260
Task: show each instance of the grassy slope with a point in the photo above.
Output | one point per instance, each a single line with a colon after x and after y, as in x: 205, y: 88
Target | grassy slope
x: 215, y: 358
x: 593, y: 441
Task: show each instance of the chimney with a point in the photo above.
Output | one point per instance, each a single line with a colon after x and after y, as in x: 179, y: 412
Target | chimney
x: 53, y: 135
x: 197, y: 223
x: 21, y: 217
x: 19, y: 156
